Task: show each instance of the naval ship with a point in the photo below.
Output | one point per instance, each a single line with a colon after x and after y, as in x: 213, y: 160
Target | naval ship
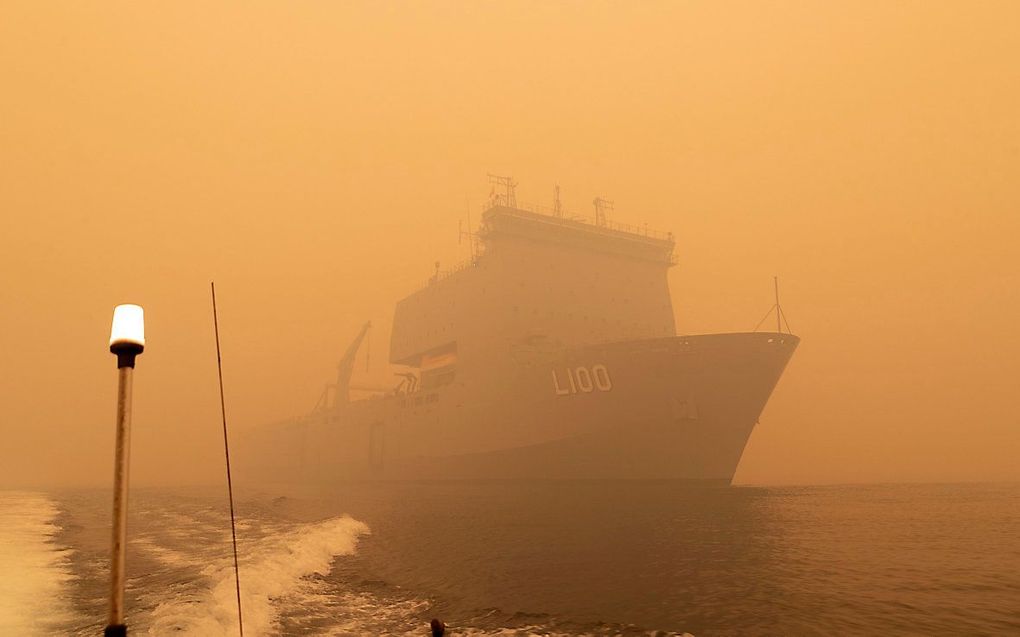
x: 552, y: 353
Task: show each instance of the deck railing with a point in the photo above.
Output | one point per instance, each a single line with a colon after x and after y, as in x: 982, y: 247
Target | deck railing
x: 548, y: 211
x: 448, y: 272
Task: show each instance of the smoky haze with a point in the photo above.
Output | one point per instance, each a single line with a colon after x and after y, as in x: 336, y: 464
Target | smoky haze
x: 315, y: 160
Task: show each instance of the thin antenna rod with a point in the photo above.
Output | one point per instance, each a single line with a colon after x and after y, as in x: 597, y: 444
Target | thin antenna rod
x: 779, y: 308
x: 226, y: 451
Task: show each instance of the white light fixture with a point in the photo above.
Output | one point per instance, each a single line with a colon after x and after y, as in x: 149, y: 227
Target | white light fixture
x: 128, y: 326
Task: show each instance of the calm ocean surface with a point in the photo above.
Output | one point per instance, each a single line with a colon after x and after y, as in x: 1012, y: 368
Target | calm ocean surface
x: 591, y: 558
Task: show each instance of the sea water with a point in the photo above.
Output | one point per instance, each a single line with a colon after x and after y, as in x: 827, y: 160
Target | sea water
x: 523, y: 558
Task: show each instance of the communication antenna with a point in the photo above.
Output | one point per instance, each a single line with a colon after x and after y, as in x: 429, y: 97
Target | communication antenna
x: 778, y: 309
x: 469, y: 233
x: 602, y: 207
x: 508, y: 185
x: 226, y: 452
x: 557, y: 206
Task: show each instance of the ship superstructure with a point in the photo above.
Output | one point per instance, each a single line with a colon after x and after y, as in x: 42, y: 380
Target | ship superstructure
x: 551, y: 353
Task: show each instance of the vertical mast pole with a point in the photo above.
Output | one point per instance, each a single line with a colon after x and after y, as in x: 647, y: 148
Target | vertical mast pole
x: 779, y: 312
x: 116, y: 626
x: 226, y: 452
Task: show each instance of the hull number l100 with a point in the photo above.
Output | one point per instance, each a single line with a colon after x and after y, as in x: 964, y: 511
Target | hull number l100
x: 573, y: 380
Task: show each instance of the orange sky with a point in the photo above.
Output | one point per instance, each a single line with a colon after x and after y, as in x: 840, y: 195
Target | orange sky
x: 314, y: 159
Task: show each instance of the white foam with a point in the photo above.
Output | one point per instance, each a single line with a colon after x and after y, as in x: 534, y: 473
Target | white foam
x: 165, y: 555
x: 274, y: 569
x: 35, y: 571
x: 363, y: 610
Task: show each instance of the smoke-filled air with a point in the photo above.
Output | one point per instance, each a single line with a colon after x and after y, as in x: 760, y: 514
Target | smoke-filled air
x: 317, y: 162
x: 514, y: 318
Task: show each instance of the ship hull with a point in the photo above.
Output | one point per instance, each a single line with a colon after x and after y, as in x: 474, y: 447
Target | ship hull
x: 678, y: 408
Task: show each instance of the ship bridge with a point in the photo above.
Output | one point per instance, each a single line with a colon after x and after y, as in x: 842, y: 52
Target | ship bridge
x: 579, y: 233
x: 540, y: 279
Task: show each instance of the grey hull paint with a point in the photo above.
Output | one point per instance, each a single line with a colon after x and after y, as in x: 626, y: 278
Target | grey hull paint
x: 678, y: 408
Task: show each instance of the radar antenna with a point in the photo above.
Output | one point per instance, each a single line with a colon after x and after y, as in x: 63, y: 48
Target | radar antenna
x: 509, y: 187
x: 602, y: 207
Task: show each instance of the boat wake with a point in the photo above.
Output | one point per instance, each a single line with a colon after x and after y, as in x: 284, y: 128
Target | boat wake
x: 37, y: 572
x: 296, y: 577
x: 278, y: 570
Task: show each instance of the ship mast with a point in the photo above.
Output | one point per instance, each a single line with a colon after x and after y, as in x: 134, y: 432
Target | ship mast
x: 508, y: 185
x: 779, y: 309
x: 602, y: 207
x: 469, y: 233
